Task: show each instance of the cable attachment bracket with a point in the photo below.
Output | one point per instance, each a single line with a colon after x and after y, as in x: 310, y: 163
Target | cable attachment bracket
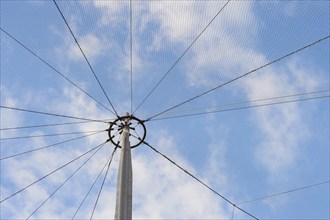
x: 131, y: 122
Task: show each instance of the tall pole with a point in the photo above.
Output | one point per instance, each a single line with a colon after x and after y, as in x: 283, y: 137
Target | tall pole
x: 124, y: 181
x: 119, y: 133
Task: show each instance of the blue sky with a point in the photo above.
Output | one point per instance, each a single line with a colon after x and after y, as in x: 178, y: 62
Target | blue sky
x: 244, y: 152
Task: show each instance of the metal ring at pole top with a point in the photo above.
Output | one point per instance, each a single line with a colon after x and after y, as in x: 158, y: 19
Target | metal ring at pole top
x: 116, y: 128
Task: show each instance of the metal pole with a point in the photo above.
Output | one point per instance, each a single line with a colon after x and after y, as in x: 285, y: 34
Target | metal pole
x: 124, y: 181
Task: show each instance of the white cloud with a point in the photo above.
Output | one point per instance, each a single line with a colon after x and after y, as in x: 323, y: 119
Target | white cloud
x: 12, y: 119
x: 111, y: 11
x: 215, y: 165
x: 75, y: 103
x: 173, y: 22
x: 92, y: 46
x: 25, y: 169
x: 220, y: 55
x: 160, y: 187
x: 182, y: 22
x: 282, y: 128
x: 305, y: 76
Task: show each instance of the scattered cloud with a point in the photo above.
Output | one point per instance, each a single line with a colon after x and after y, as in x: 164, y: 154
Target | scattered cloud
x: 158, y: 182
x: 282, y: 127
x: 227, y: 49
x: 111, y: 13
x: 90, y: 44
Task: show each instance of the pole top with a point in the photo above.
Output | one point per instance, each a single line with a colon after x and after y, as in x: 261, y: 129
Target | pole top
x: 136, y: 128
x: 127, y: 119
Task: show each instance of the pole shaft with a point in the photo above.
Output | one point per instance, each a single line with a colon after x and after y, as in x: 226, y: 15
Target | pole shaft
x: 124, y: 181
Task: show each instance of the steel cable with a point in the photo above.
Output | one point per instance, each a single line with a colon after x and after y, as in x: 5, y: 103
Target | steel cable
x: 53, y: 68
x: 92, y: 186
x: 177, y: 61
x: 47, y: 125
x: 41, y: 148
x: 105, y: 176
x: 239, y: 77
x: 240, y: 108
x: 284, y: 192
x: 50, y: 135
x: 59, y: 187
x: 50, y: 114
x: 198, y: 180
x: 82, y: 52
x: 61, y: 167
